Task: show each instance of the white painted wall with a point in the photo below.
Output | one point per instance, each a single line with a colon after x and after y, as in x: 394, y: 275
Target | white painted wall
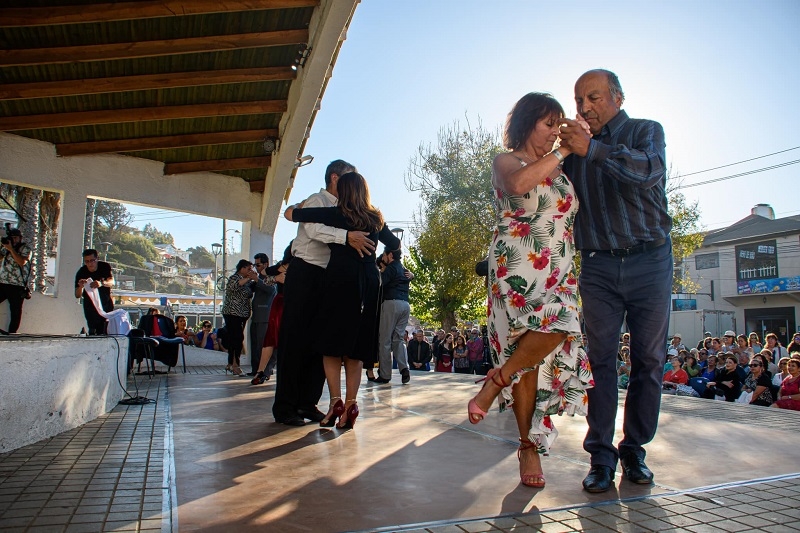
x: 48, y: 386
x: 114, y: 177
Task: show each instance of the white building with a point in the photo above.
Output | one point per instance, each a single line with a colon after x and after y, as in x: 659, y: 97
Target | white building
x: 753, y: 269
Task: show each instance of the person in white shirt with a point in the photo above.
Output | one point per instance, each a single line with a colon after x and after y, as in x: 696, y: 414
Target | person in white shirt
x: 300, y: 375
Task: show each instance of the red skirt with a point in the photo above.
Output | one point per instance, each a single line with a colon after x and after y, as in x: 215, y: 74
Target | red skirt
x: 274, y: 322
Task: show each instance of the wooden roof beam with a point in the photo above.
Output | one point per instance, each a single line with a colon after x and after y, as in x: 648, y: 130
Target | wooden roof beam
x: 141, y: 114
x: 257, y: 185
x: 170, y: 80
x: 160, y: 143
x: 164, y: 47
x: 110, y: 11
x: 216, y: 165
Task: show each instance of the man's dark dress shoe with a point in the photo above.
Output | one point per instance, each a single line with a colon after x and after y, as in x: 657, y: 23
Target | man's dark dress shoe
x: 312, y: 414
x: 292, y: 421
x: 635, y: 470
x: 406, y: 375
x: 382, y: 380
x: 599, y: 479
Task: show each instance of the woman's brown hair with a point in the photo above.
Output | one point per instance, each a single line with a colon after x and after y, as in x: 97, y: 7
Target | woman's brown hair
x: 355, y: 204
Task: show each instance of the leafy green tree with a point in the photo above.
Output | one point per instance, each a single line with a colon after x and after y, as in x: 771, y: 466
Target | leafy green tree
x: 157, y: 237
x: 687, y: 236
x: 110, y: 220
x: 200, y: 257
x: 454, y: 223
x: 137, y: 244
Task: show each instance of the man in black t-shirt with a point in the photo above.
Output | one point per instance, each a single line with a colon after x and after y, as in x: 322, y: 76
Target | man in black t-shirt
x: 102, y: 279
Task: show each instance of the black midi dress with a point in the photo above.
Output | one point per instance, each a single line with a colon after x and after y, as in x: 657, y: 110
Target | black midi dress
x: 349, y: 303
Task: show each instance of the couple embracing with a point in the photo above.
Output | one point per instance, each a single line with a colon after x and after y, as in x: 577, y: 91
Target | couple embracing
x: 600, y: 192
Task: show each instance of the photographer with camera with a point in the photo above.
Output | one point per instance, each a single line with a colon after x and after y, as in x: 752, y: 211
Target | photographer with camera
x: 13, y: 278
x: 102, y: 279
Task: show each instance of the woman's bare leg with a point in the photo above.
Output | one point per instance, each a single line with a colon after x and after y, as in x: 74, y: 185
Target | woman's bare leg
x: 333, y: 376
x: 532, y: 348
x: 524, y: 393
x: 266, y: 355
x: 352, y: 375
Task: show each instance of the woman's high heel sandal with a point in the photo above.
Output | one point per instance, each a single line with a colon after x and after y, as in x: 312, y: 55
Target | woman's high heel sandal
x: 350, y: 416
x: 336, y: 410
x: 529, y: 480
x: 228, y: 369
x: 476, y: 414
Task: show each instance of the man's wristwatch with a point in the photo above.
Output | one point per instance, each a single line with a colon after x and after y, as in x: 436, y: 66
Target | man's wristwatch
x: 558, y: 155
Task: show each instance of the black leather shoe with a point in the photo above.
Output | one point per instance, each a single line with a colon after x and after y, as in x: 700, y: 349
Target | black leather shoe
x: 312, y: 414
x: 406, y: 375
x: 292, y: 421
x: 599, y: 479
x: 635, y: 470
x: 382, y: 381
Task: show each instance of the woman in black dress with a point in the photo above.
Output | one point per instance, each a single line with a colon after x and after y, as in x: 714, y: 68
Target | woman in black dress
x: 349, y: 302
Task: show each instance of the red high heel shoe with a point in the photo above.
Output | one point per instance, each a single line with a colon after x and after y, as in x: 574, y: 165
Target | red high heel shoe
x: 476, y: 414
x: 529, y: 480
x: 350, y: 418
x: 336, y: 411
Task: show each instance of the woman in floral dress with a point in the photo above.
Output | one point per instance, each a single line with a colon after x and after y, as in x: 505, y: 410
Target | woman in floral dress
x: 540, y: 367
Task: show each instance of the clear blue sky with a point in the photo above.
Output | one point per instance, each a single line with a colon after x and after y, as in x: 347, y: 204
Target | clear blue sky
x: 720, y: 75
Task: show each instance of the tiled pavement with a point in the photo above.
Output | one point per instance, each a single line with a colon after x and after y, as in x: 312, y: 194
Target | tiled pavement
x: 118, y: 473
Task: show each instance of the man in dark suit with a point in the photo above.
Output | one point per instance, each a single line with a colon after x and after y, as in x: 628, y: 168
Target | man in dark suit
x: 262, y: 300
x: 419, y: 352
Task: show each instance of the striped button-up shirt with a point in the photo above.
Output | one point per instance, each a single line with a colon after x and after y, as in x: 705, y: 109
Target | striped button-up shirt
x: 621, y: 186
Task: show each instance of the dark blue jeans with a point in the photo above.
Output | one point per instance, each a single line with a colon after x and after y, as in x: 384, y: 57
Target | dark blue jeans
x: 635, y: 289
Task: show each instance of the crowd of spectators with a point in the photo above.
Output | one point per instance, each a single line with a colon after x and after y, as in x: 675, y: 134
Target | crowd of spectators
x: 733, y: 368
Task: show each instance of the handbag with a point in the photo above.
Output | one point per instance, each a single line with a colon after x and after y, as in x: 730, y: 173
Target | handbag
x: 744, y: 397
x: 686, y: 390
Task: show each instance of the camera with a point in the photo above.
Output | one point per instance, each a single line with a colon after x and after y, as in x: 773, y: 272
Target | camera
x: 10, y: 232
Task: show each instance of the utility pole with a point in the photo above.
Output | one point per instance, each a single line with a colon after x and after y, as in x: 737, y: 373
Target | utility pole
x: 224, y: 249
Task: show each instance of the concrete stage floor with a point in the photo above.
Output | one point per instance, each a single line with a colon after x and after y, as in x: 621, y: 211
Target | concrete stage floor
x: 211, y: 458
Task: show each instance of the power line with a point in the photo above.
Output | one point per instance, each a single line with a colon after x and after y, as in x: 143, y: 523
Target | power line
x: 737, y: 163
x: 725, y: 178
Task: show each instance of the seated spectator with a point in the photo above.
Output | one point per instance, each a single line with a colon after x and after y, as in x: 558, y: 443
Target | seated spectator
x: 624, y: 367
x: 771, y: 366
x: 782, y: 373
x: 183, y: 332
x: 794, y: 346
x: 702, y: 358
x: 755, y: 342
x: 727, y: 383
x: 710, y: 371
x: 775, y: 347
x: 668, y: 365
x: 789, y: 396
x: 677, y: 376
x: 676, y: 345
x: 741, y: 368
x: 758, y: 383
x: 743, y: 346
x: 222, y: 339
x: 206, y: 338
x: 691, y: 367
x: 715, y: 347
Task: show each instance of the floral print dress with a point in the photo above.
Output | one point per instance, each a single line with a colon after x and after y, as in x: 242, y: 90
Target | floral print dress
x: 532, y: 286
